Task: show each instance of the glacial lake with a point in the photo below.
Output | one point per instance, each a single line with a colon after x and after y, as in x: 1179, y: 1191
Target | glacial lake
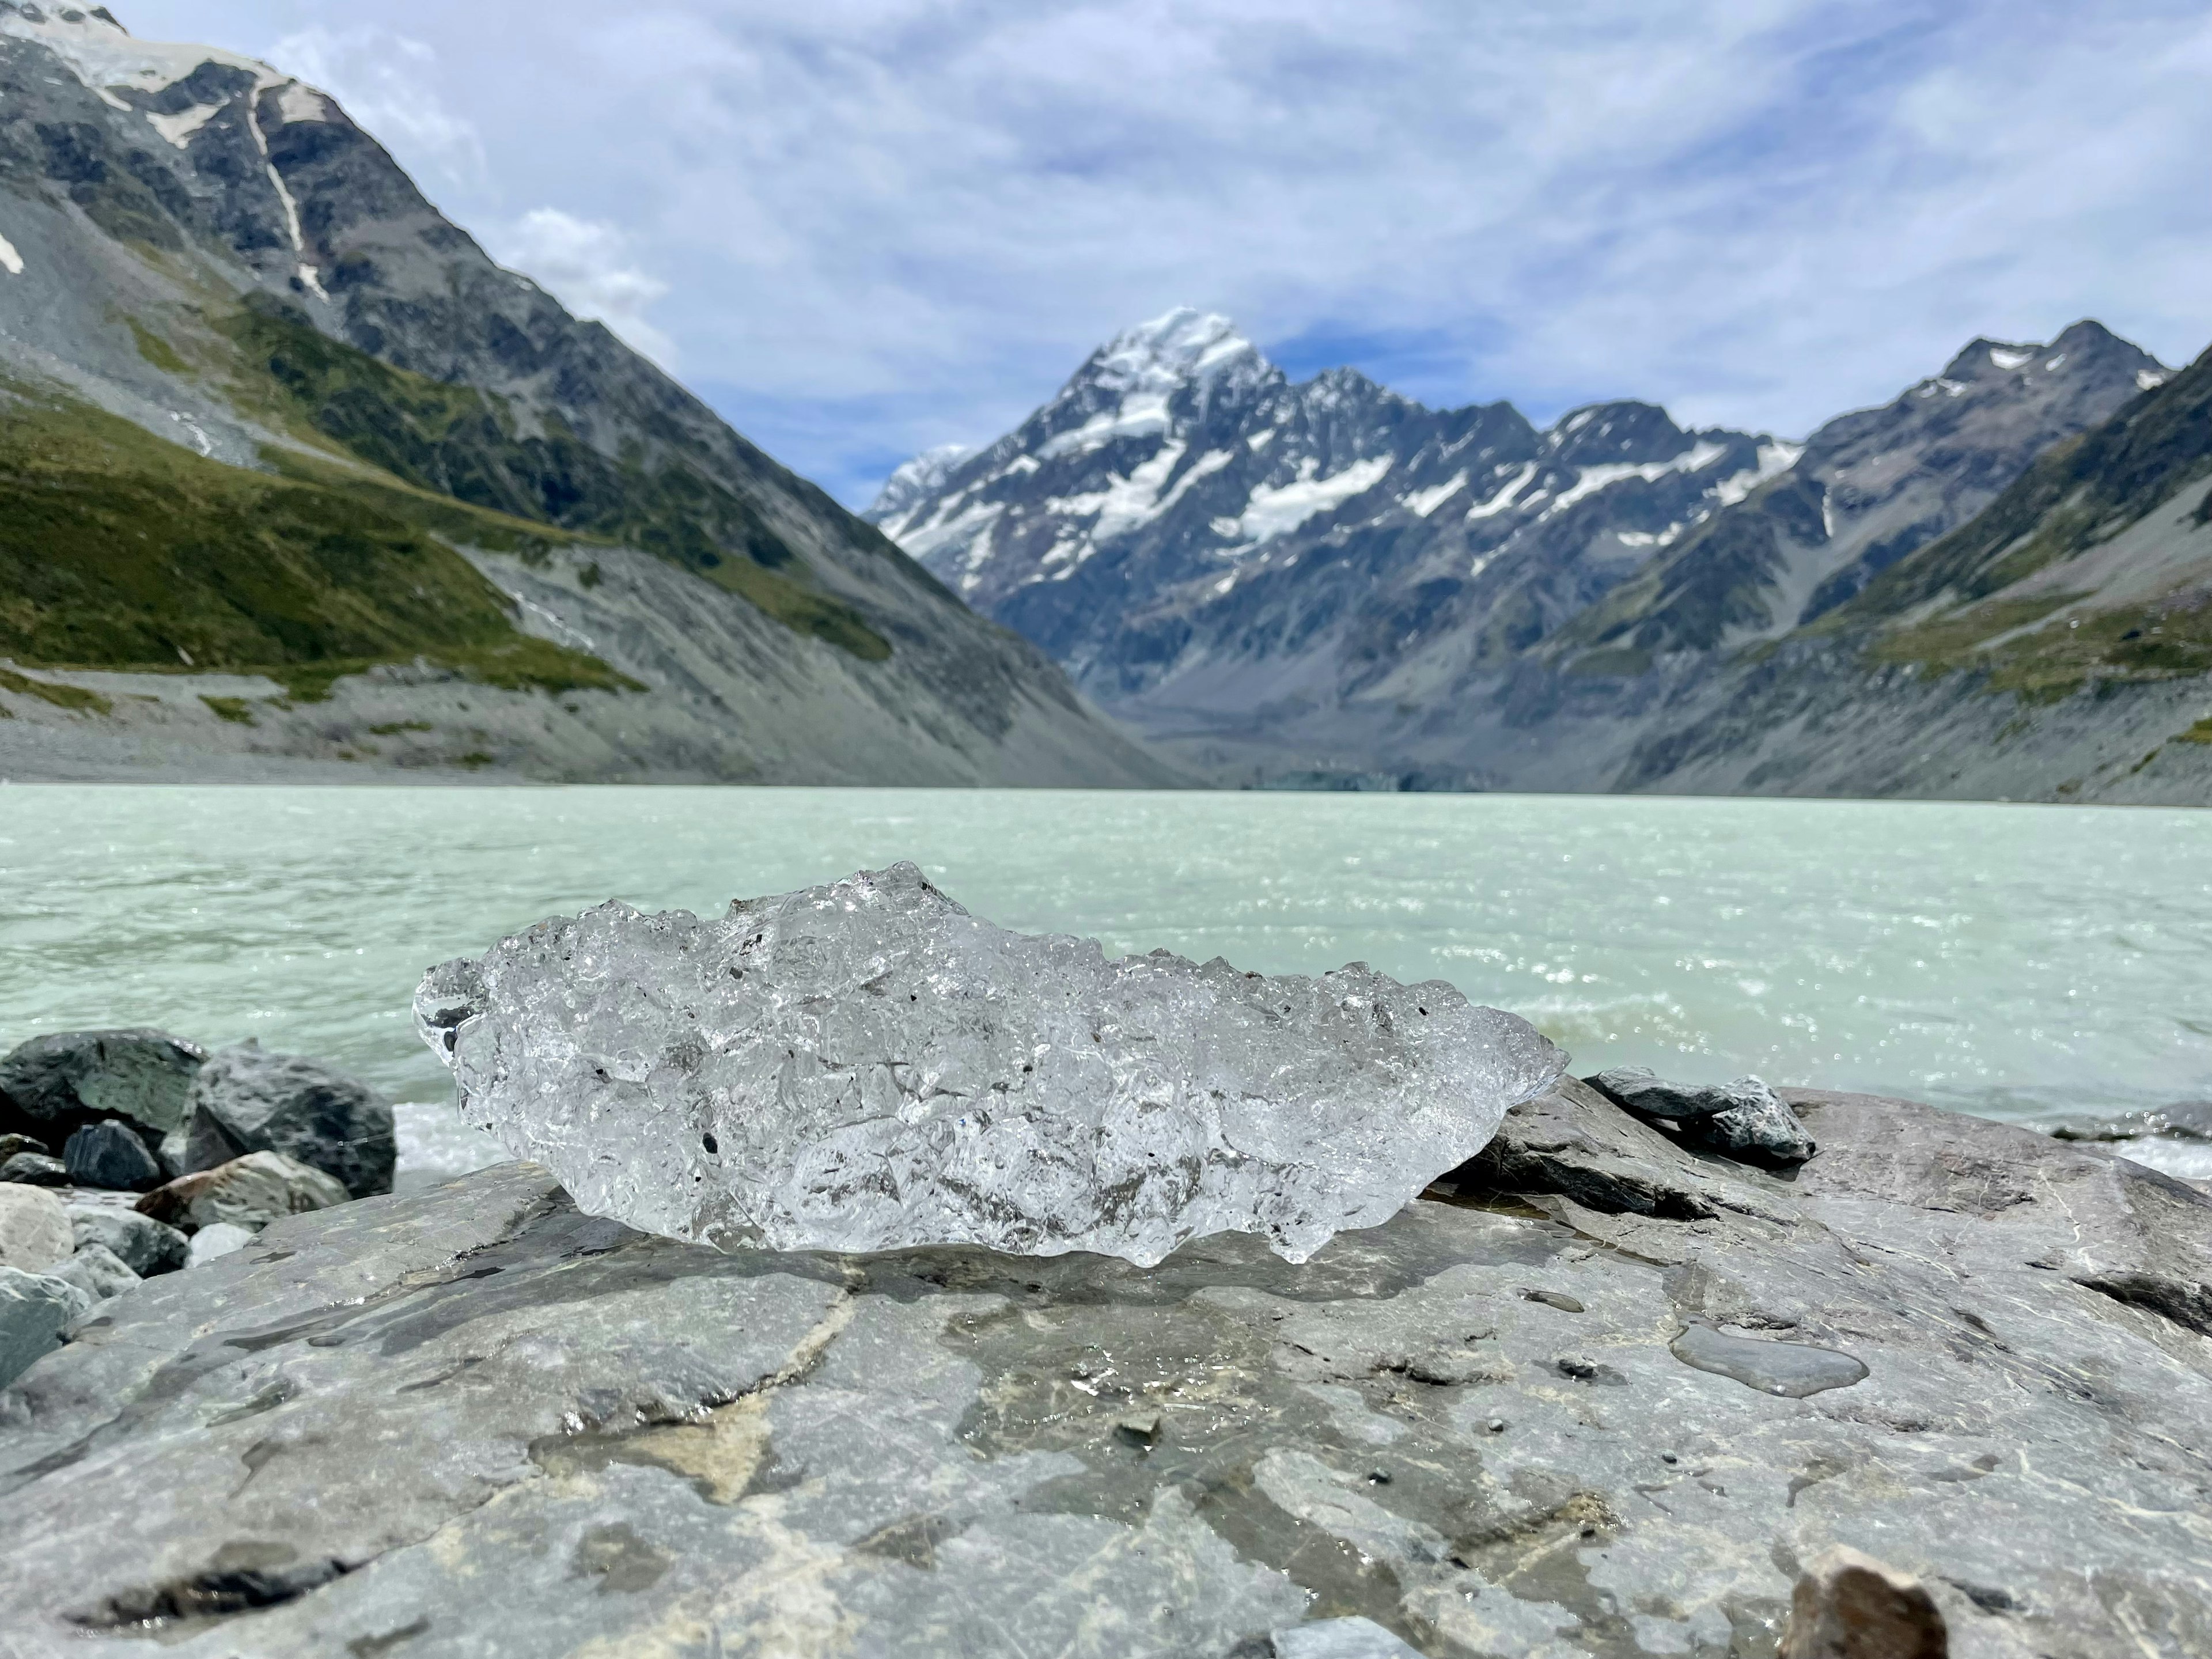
x: 2017, y: 961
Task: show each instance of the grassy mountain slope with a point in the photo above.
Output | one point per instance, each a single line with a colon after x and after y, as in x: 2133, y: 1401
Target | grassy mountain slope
x: 391, y: 454
x: 120, y: 550
x: 1985, y: 597
x: 458, y: 441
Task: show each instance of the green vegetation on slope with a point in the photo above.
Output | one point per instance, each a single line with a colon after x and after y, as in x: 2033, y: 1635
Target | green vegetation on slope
x: 2083, y: 492
x: 454, y: 441
x: 120, y: 550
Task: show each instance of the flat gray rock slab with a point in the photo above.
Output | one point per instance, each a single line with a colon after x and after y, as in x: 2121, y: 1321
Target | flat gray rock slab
x: 35, y: 1311
x: 867, y: 1067
x: 35, y: 1234
x: 474, y: 1421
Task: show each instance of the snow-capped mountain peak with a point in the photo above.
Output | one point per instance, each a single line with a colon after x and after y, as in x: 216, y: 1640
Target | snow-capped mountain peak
x: 925, y: 475
x: 108, y: 58
x: 1179, y: 348
x: 1178, y: 448
x: 1149, y: 381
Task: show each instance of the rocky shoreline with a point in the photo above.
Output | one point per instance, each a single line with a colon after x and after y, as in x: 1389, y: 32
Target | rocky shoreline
x: 1603, y: 1390
x: 129, y: 1154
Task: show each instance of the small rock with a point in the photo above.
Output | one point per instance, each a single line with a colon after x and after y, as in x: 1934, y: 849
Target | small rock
x: 1575, y: 1365
x: 1743, y: 1119
x: 35, y: 1311
x: 52, y: 1086
x: 248, y: 1192
x: 217, y: 1240
x: 34, y: 1170
x: 1449, y: 1368
x: 1553, y: 1299
x: 1341, y: 1638
x: 1849, y: 1605
x: 1142, y: 1430
x: 98, y: 1272
x: 12, y: 1144
x: 1497, y: 1426
x: 109, y: 1157
x: 245, y: 1101
x: 140, y: 1242
x: 35, y: 1236
x: 1378, y: 1477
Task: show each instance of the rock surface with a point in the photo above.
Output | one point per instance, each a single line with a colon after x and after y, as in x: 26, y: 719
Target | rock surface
x: 54, y: 1085
x: 248, y: 1192
x: 35, y: 1310
x: 867, y: 1067
x: 1744, y: 1119
x: 246, y: 1101
x: 1849, y: 1605
x: 142, y: 1244
x: 12, y: 1145
x: 110, y: 1157
x: 35, y: 1229
x: 211, y: 1243
x: 474, y: 1420
x: 32, y: 1169
x: 97, y: 1271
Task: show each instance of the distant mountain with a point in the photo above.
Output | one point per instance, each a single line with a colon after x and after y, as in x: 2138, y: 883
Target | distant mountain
x: 1327, y: 583
x: 2058, y: 646
x: 1183, y: 527
x: 265, y: 413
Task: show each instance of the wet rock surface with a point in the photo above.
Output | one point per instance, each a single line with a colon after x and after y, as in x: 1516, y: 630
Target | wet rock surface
x: 1744, y: 1119
x: 142, y: 1244
x: 111, y: 1156
x: 475, y: 1420
x: 248, y: 1192
x: 866, y: 1066
x: 97, y: 1271
x: 246, y: 1101
x: 34, y: 1170
x: 54, y: 1085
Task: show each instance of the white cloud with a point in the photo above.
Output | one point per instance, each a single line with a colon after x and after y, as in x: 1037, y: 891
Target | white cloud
x: 386, y: 82
x: 887, y: 224
x: 587, y: 267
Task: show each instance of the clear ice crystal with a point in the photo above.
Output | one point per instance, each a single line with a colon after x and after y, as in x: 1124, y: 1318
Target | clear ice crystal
x: 866, y: 1066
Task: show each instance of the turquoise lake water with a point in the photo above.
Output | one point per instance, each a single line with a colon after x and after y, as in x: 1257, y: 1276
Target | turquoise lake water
x: 2013, y: 961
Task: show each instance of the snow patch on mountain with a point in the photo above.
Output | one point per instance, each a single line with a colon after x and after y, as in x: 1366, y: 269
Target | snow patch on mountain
x: 104, y: 54
x: 1277, y: 510
x: 1594, y: 478
x: 1505, y: 498
x: 1774, y: 461
x: 178, y: 129
x: 919, y: 479
x: 1425, y: 502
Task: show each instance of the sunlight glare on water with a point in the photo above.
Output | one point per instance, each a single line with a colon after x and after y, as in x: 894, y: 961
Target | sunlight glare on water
x: 2012, y: 960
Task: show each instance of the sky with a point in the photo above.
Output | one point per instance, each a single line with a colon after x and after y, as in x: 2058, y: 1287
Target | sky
x: 860, y: 228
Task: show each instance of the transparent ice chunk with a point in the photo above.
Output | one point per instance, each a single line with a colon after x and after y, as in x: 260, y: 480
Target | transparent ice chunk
x: 866, y: 1066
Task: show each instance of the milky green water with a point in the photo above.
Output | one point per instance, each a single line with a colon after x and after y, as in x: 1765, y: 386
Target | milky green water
x: 2007, y: 960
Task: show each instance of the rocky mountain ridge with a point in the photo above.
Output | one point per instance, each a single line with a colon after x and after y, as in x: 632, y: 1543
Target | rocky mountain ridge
x: 1454, y: 598
x: 488, y: 493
